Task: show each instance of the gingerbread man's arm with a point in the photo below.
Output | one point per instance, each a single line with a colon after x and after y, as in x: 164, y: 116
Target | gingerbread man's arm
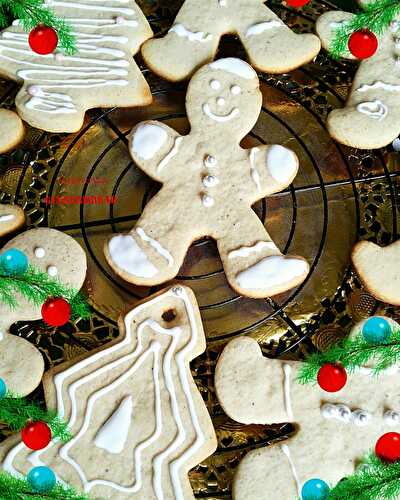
x: 152, y: 146
x: 272, y: 168
x: 327, y: 25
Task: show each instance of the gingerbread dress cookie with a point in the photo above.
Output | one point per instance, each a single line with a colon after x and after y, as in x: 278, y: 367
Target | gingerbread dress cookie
x: 57, y: 88
x: 193, y: 39
x: 209, y: 184
x: 138, y: 421
x: 370, y: 118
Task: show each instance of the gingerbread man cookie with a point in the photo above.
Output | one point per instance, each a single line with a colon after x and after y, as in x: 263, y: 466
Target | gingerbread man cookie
x: 57, y: 88
x: 193, y: 39
x: 209, y: 184
x: 51, y: 251
x: 379, y: 269
x: 138, y: 421
x: 370, y: 117
x: 334, y: 430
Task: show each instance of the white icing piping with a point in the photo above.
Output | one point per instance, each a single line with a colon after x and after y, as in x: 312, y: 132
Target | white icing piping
x: 181, y: 359
x: 287, y: 370
x: 6, y: 217
x: 257, y: 29
x: 220, y: 118
x: 164, y: 162
x: 375, y: 109
x: 198, y: 36
x: 343, y: 413
x: 253, y: 169
x: 379, y: 85
x: 156, y: 245
x: 285, y: 449
x: 246, y: 251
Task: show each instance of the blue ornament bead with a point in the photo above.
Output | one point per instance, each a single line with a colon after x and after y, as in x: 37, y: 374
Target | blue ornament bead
x: 41, y: 479
x: 3, y: 388
x: 14, y: 261
x: 376, y: 330
x: 315, y: 489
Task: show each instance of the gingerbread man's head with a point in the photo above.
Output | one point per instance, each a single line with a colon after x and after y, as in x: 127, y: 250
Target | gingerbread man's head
x: 224, y: 98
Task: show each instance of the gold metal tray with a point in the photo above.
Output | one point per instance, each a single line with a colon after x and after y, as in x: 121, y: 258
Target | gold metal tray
x: 339, y: 196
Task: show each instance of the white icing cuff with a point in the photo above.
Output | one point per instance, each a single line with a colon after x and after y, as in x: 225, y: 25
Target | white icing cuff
x: 147, y: 140
x: 129, y: 257
x: 282, y: 164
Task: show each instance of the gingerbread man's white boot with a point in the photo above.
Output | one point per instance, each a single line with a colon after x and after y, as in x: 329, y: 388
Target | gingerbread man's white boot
x: 209, y: 185
x: 198, y: 27
x: 370, y: 118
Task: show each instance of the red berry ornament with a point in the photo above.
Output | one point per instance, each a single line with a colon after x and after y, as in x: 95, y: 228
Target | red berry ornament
x: 332, y: 378
x: 36, y: 435
x: 43, y: 40
x: 297, y: 3
x: 363, y: 44
x: 387, y: 447
x: 56, y: 312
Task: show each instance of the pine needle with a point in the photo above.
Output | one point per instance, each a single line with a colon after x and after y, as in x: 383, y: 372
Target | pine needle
x: 16, y: 411
x: 13, y: 488
x: 36, y: 286
x: 31, y: 13
x: 376, y: 17
x: 353, y: 354
x: 374, y: 480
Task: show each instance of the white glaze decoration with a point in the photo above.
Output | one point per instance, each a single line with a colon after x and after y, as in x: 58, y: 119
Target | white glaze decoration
x: 174, y: 151
x: 156, y: 245
x: 246, y: 251
x: 220, y: 118
x: 113, y: 435
x: 129, y: 257
x: 147, y: 140
x: 198, y: 36
x: 234, y: 66
x: 281, y: 163
x: 259, y: 28
x: 6, y: 217
x: 375, y: 109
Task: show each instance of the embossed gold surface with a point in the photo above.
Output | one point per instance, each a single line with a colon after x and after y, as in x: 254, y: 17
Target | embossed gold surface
x: 340, y: 195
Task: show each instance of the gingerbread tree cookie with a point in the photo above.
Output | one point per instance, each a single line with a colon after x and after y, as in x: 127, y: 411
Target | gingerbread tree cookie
x: 139, y: 423
x: 370, y: 117
x: 334, y: 431
x: 198, y: 27
x: 209, y: 184
x: 51, y: 251
x: 57, y: 88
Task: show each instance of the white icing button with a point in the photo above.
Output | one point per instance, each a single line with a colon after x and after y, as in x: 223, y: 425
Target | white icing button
x: 220, y: 101
x: 210, y: 181
x: 33, y: 90
x: 40, y: 252
x: 120, y: 20
x: 391, y: 417
x: 360, y: 418
x: 328, y: 410
x: 52, y: 271
x: 396, y: 144
x: 215, y: 84
x: 208, y: 201
x: 235, y: 90
x: 210, y: 161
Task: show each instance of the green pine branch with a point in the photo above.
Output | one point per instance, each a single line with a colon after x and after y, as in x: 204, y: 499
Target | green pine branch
x: 13, y: 488
x: 16, y: 411
x: 37, y: 286
x: 374, y: 480
x: 33, y: 12
x: 376, y: 17
x: 353, y: 354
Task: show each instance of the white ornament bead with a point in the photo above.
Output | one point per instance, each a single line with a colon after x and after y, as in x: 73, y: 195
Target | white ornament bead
x: 235, y: 89
x: 215, y: 84
x: 361, y: 418
x: 391, y: 417
x: 344, y: 413
x: 52, y: 271
x: 220, y: 101
x: 396, y: 142
x: 210, y: 161
x: 328, y: 410
x: 207, y: 200
x: 210, y: 181
x: 33, y: 90
x: 40, y: 252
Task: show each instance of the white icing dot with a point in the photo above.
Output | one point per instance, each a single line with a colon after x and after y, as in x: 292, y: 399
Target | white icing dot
x: 360, y: 417
x: 177, y: 290
x: 120, y: 20
x: 396, y: 144
x: 207, y: 200
x: 220, y: 101
x: 215, y: 84
x: 40, y: 252
x: 210, y: 161
x: 391, y: 417
x: 394, y: 26
x: 33, y: 90
x: 328, y: 410
x: 52, y: 271
x: 235, y: 90
x: 210, y: 181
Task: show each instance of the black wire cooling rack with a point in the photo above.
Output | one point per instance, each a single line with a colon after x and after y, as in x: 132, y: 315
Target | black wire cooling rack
x: 361, y: 186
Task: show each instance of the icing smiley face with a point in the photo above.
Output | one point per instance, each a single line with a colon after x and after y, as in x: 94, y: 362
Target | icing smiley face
x: 227, y: 93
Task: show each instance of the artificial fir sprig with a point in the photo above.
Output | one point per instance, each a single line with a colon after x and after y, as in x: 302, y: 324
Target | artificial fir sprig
x: 373, y: 480
x: 16, y: 411
x: 13, y: 488
x: 352, y: 354
x: 37, y: 286
x: 376, y: 18
x: 32, y: 13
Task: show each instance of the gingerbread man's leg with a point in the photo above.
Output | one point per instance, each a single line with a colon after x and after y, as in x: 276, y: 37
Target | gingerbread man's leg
x: 154, y: 250
x: 254, y: 265
x: 270, y: 44
x: 191, y: 42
